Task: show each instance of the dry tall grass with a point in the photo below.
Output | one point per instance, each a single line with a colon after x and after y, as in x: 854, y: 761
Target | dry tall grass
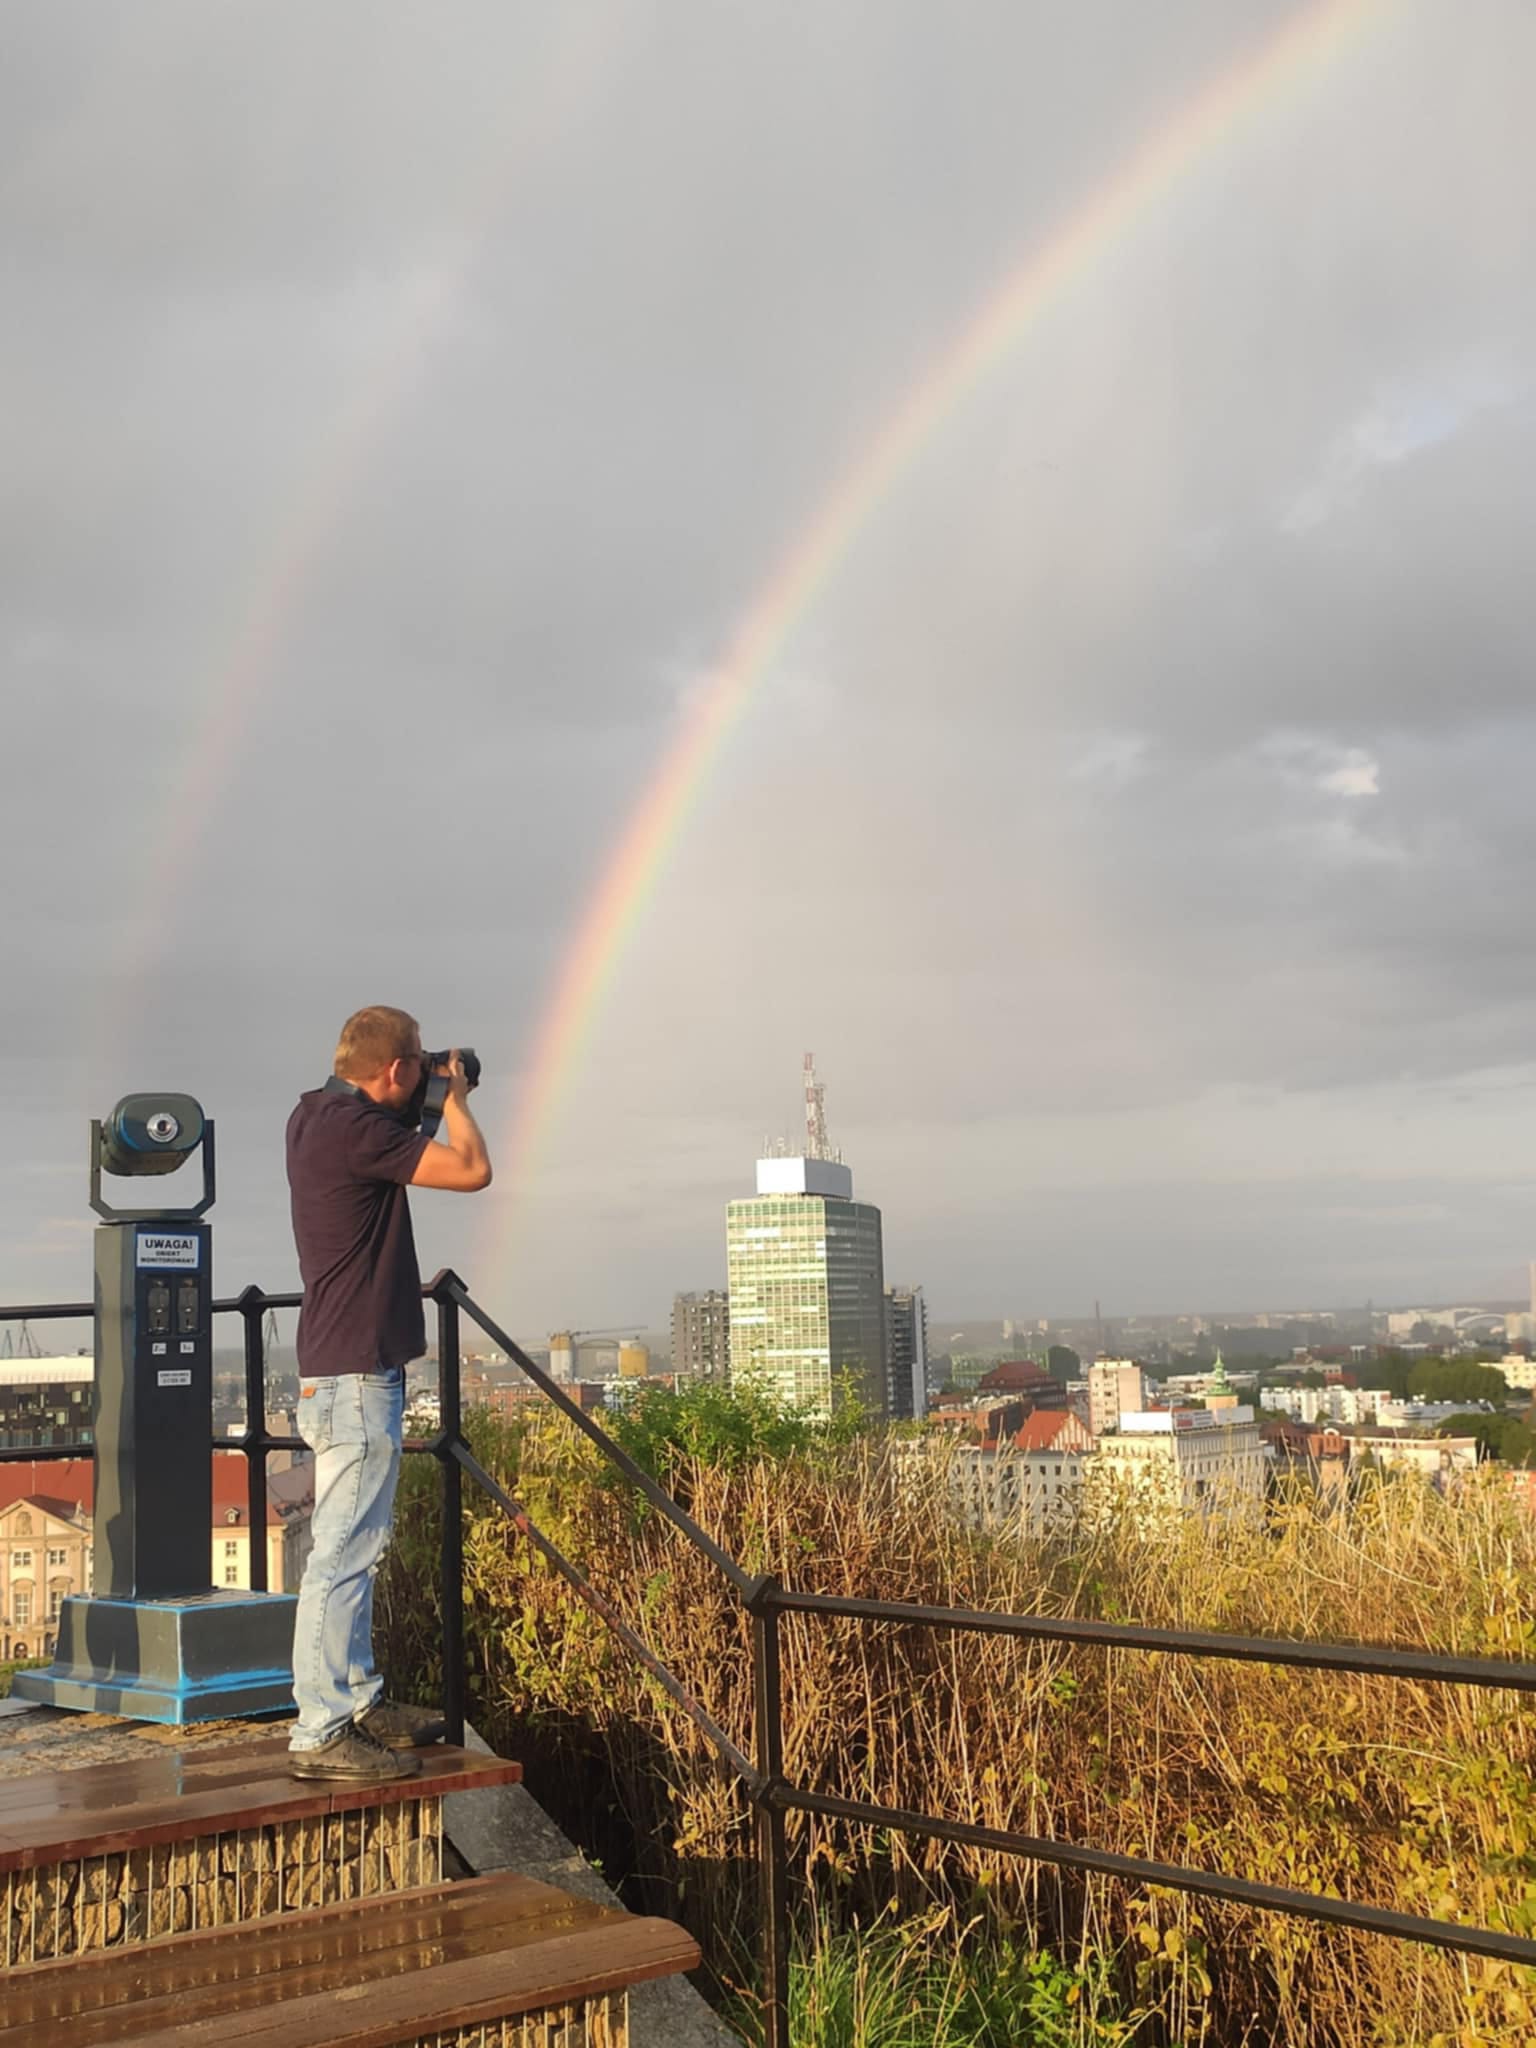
x: 1409, y: 1795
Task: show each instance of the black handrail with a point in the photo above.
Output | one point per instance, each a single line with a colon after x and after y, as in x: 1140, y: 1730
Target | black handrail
x: 764, y: 1600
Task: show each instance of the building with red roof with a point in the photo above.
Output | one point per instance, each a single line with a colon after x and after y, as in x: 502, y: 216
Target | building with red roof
x: 45, y: 1538
x: 1024, y: 1378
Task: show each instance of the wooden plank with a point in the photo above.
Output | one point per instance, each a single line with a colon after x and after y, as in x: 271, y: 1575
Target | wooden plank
x: 222, y: 1972
x: 361, y: 1975
x: 95, y: 1787
x: 503, y: 1892
x: 565, y: 1969
x: 211, y: 1799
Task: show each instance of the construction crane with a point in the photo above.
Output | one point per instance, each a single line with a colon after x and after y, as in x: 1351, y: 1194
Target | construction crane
x: 575, y: 1338
x: 565, y: 1344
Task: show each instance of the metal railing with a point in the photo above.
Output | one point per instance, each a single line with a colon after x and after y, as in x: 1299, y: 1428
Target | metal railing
x: 771, y: 1792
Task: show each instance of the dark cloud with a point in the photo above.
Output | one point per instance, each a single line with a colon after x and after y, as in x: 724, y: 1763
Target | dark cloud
x: 404, y: 409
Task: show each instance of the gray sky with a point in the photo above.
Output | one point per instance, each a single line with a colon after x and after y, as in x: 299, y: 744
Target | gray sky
x: 401, y: 408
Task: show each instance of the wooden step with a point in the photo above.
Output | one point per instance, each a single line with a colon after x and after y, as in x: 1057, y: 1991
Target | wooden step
x: 371, y: 1973
x: 117, y: 1853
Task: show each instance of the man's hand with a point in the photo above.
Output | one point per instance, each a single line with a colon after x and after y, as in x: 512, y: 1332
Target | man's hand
x: 461, y: 1162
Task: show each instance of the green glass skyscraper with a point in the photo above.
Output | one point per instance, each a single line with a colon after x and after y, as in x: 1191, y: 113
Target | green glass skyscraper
x: 807, y: 1281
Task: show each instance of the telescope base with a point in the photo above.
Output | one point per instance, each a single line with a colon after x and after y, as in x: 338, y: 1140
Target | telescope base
x: 205, y: 1657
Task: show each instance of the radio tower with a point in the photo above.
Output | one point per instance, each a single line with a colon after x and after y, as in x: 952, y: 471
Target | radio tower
x: 816, y: 1146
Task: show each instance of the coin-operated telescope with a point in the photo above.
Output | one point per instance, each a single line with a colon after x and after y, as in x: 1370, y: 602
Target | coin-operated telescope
x: 155, y: 1639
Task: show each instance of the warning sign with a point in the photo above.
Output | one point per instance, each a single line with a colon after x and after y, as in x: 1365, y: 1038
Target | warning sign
x: 161, y: 1248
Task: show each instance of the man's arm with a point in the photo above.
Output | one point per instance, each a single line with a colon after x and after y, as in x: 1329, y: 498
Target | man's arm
x: 461, y: 1162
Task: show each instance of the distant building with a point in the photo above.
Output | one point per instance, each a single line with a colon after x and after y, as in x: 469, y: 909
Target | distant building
x: 45, y: 1401
x: 1164, y: 1460
x: 1311, y: 1450
x: 1409, y: 1448
x: 1519, y: 1372
x: 701, y: 1335
x: 1116, y: 1387
x: 519, y: 1396
x: 967, y: 1369
x: 1323, y: 1404
x: 805, y: 1274
x: 906, y: 1353
x: 562, y: 1356
x: 1029, y: 1482
x: 1422, y: 1418
x: 634, y: 1360
x: 45, y: 1556
x: 290, y: 1506
x: 46, y: 1536
x: 1025, y: 1380
x: 1218, y: 1393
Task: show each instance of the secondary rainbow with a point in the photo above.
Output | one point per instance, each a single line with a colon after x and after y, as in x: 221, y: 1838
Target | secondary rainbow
x: 1307, y: 44
x: 566, y: 71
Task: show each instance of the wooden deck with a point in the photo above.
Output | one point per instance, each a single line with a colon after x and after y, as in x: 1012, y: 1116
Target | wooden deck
x: 415, y: 1965
x: 123, y: 1852
x: 183, y: 1895
x: 99, y: 1809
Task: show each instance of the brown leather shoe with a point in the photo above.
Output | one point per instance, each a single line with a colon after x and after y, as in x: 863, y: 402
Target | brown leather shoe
x: 398, y: 1726
x: 352, y: 1757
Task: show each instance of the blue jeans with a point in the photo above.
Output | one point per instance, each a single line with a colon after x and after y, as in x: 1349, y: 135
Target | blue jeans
x: 353, y: 1424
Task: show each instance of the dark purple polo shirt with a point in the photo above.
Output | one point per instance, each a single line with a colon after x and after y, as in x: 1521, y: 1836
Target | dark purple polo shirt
x: 348, y: 1165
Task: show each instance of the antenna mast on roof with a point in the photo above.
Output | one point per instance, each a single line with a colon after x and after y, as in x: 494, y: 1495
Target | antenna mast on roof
x: 816, y: 1146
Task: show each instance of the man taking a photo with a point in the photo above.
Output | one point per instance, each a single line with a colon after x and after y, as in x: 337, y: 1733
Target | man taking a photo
x: 351, y: 1157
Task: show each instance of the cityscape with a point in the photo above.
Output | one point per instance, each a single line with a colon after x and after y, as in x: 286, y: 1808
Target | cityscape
x: 578, y: 553
x: 1038, y: 1425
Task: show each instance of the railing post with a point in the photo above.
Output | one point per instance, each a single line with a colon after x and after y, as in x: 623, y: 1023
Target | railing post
x: 772, y: 1855
x: 453, y: 1513
x: 252, y: 1305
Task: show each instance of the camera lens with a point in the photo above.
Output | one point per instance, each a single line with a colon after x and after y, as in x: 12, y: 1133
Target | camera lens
x: 163, y: 1127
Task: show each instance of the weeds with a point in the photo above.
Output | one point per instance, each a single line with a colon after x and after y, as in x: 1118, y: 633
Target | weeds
x: 1414, y: 1796
x: 934, y: 1982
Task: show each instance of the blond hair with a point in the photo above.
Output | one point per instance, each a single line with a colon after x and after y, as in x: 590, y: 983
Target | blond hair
x: 372, y: 1038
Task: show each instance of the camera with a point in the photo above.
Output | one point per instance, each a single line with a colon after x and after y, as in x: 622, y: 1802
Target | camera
x: 426, y: 1104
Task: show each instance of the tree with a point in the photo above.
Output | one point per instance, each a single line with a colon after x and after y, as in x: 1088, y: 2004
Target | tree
x: 1063, y: 1363
x: 1455, y: 1379
x: 1498, y: 1436
x: 1388, y: 1372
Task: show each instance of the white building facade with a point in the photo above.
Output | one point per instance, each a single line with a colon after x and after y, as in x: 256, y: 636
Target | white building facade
x: 1178, y: 1460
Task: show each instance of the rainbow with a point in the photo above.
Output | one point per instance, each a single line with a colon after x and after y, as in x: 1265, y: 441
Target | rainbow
x: 1309, y: 41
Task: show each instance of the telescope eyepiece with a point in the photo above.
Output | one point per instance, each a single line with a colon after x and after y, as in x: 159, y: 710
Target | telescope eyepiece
x: 150, y: 1134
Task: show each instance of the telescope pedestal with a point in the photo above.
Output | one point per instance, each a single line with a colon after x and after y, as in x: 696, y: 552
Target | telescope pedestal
x: 205, y: 1657
x: 156, y: 1641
